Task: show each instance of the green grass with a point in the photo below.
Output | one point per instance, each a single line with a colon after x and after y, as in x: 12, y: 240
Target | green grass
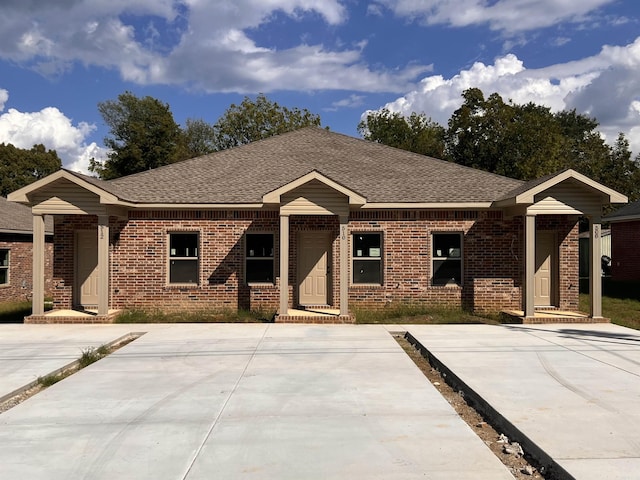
x: 92, y: 355
x: 14, y: 312
x: 204, y: 316
x: 408, y: 313
x: 620, y: 302
x: 89, y: 355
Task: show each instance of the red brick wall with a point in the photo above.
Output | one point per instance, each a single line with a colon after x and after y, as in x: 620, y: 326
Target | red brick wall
x: 625, y: 250
x: 20, y: 267
x: 491, y: 245
x: 493, y: 252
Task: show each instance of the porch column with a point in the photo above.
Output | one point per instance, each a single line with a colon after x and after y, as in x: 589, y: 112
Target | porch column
x: 284, y: 264
x: 103, y: 265
x: 37, y: 300
x: 595, y: 268
x: 344, y: 265
x: 529, y: 265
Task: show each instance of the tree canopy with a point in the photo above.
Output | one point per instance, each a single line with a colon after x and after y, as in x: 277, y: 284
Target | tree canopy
x: 520, y: 141
x: 255, y: 120
x: 20, y: 167
x: 415, y: 133
x: 143, y: 135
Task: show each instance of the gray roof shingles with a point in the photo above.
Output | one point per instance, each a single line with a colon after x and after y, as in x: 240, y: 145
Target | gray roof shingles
x: 244, y: 174
x: 16, y: 218
x: 631, y: 210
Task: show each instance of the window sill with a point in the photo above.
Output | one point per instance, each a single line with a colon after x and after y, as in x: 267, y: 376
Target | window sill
x: 176, y: 286
x: 261, y: 284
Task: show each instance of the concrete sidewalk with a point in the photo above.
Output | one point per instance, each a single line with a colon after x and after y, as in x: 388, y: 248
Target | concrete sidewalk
x: 572, y: 390
x: 245, y: 401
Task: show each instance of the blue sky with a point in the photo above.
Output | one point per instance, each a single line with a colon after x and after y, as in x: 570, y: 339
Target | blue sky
x: 338, y: 58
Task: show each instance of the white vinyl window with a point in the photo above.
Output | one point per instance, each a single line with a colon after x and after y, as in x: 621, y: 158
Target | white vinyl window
x: 367, y: 258
x: 183, y: 257
x: 446, y: 258
x: 4, y: 267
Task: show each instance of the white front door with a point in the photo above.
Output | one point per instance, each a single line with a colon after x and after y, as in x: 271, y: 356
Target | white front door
x: 313, y: 268
x: 543, y: 279
x: 86, y: 268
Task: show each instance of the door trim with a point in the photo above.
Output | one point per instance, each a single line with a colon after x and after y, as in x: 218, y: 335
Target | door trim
x: 552, y: 239
x: 77, y: 284
x: 325, y: 237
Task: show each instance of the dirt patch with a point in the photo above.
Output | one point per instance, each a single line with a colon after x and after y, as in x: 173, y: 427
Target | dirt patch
x: 509, y: 453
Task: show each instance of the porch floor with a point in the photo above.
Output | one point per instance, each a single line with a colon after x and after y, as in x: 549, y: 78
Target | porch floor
x: 72, y: 316
x: 551, y: 316
x: 314, y: 315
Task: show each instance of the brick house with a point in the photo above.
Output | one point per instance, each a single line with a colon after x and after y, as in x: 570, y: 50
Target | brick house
x: 16, y: 252
x: 316, y: 221
x: 625, y: 242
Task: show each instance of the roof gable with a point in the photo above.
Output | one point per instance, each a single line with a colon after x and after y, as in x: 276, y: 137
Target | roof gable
x: 276, y: 195
x: 539, y: 190
x: 93, y: 185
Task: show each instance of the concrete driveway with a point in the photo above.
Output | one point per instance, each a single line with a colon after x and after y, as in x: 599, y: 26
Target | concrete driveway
x: 573, y: 391
x: 29, y: 352
x: 238, y: 401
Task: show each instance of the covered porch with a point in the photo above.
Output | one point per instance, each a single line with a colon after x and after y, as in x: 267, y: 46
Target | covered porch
x: 64, y: 193
x: 569, y: 195
x: 320, y: 293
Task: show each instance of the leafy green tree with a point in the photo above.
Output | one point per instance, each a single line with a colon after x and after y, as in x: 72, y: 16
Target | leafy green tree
x: 255, y: 120
x: 415, y: 133
x: 199, y: 138
x: 143, y: 135
x: 621, y: 172
x: 20, y: 167
x: 519, y: 141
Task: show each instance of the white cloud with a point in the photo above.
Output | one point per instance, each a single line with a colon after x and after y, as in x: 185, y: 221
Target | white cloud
x: 204, y: 45
x: 352, y: 101
x: 55, y: 131
x: 603, y: 86
x: 504, y: 15
x: 4, y: 96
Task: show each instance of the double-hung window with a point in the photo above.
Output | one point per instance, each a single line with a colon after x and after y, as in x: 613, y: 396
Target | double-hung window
x: 259, y: 258
x: 4, y: 267
x: 183, y: 258
x: 446, y: 258
x: 367, y: 258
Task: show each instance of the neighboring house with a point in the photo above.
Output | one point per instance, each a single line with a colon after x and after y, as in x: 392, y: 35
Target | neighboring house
x: 313, y: 220
x: 16, y: 252
x: 625, y: 242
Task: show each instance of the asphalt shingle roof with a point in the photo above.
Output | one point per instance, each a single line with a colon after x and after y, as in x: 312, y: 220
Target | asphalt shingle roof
x: 630, y: 210
x: 244, y: 174
x: 16, y: 218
